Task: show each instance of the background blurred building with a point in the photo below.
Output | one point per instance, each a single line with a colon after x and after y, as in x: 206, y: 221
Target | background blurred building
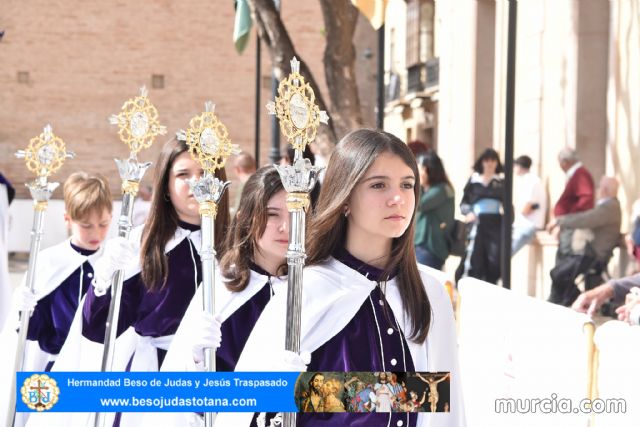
x: 577, y: 85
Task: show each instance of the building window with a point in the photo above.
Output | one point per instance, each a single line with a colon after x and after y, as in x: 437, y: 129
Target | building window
x: 157, y: 81
x: 427, y: 24
x: 413, y: 32
x: 23, y: 77
x: 420, y: 42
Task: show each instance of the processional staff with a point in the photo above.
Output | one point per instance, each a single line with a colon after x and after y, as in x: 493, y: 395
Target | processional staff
x: 138, y: 126
x: 210, y: 146
x: 44, y: 156
x: 299, y: 118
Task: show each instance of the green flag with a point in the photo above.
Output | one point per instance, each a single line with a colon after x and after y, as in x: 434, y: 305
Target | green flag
x: 242, y: 25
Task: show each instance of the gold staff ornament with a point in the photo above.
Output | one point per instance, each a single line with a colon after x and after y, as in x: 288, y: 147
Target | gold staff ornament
x: 210, y: 146
x: 44, y: 156
x: 208, y: 140
x: 138, y: 127
x: 138, y: 123
x: 296, y: 109
x: 299, y: 118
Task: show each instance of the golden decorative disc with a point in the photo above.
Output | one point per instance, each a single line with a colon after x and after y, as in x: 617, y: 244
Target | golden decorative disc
x: 138, y: 123
x: 297, y: 111
x: 208, y: 140
x: 45, y: 154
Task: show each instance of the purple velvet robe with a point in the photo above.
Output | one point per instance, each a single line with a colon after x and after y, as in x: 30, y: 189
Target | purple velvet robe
x: 52, y: 316
x: 151, y: 313
x: 357, y: 348
x: 237, y: 327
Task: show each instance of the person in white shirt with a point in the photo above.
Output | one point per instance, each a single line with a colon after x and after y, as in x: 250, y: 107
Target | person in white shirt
x: 530, y: 204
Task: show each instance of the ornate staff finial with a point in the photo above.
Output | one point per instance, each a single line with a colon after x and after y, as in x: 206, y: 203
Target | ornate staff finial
x: 138, y: 127
x: 45, y: 154
x: 138, y: 123
x: 296, y: 109
x: 208, y: 140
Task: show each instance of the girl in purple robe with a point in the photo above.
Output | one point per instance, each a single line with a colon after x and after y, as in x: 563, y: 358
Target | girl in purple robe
x: 257, y: 245
x: 155, y: 295
x: 253, y: 270
x: 366, y: 304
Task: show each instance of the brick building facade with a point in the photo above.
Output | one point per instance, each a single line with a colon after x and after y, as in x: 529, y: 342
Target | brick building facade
x: 74, y: 63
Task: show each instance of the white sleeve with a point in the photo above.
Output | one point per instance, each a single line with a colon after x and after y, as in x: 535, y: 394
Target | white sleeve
x: 442, y: 356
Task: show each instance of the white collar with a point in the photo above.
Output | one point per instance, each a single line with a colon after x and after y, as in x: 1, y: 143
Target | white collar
x: 573, y: 170
x: 603, y: 200
x: 477, y: 178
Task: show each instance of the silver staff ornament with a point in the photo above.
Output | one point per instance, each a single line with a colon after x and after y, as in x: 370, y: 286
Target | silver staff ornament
x: 45, y: 154
x: 209, y: 145
x: 138, y: 126
x: 299, y: 118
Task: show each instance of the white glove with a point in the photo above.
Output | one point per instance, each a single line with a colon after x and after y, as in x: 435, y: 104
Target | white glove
x: 634, y: 315
x: 294, y: 362
x: 23, y: 299
x: 118, y: 253
x: 207, y: 333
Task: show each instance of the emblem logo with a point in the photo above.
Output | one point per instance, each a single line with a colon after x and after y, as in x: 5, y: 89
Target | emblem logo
x: 40, y: 392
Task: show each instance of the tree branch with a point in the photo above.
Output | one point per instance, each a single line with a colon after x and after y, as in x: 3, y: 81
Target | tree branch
x: 273, y: 32
x: 340, y: 18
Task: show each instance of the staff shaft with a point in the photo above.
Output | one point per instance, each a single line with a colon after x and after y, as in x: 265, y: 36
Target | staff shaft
x: 208, y: 280
x: 111, y: 327
x: 208, y: 258
x: 295, y: 260
x: 34, y: 249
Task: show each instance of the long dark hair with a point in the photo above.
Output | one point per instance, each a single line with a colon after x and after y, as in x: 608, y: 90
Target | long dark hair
x: 488, y: 154
x: 163, y: 219
x: 349, y: 163
x: 435, y: 169
x: 248, y: 226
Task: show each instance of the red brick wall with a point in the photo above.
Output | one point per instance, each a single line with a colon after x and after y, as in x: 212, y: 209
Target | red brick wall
x: 85, y: 59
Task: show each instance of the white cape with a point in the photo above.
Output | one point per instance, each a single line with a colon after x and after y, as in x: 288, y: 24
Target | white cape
x: 81, y: 354
x: 180, y: 358
x: 53, y: 266
x: 332, y: 295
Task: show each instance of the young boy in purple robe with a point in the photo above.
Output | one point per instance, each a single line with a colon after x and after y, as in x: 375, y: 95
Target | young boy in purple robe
x: 366, y: 305
x: 65, y: 271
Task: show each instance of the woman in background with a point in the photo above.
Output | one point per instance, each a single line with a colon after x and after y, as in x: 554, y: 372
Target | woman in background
x: 434, y: 216
x: 482, y: 206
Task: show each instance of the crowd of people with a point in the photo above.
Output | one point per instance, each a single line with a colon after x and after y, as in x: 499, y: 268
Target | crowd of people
x: 585, y: 221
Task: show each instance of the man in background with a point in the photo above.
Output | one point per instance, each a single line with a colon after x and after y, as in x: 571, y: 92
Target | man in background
x: 588, y: 257
x: 244, y: 166
x: 530, y: 204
